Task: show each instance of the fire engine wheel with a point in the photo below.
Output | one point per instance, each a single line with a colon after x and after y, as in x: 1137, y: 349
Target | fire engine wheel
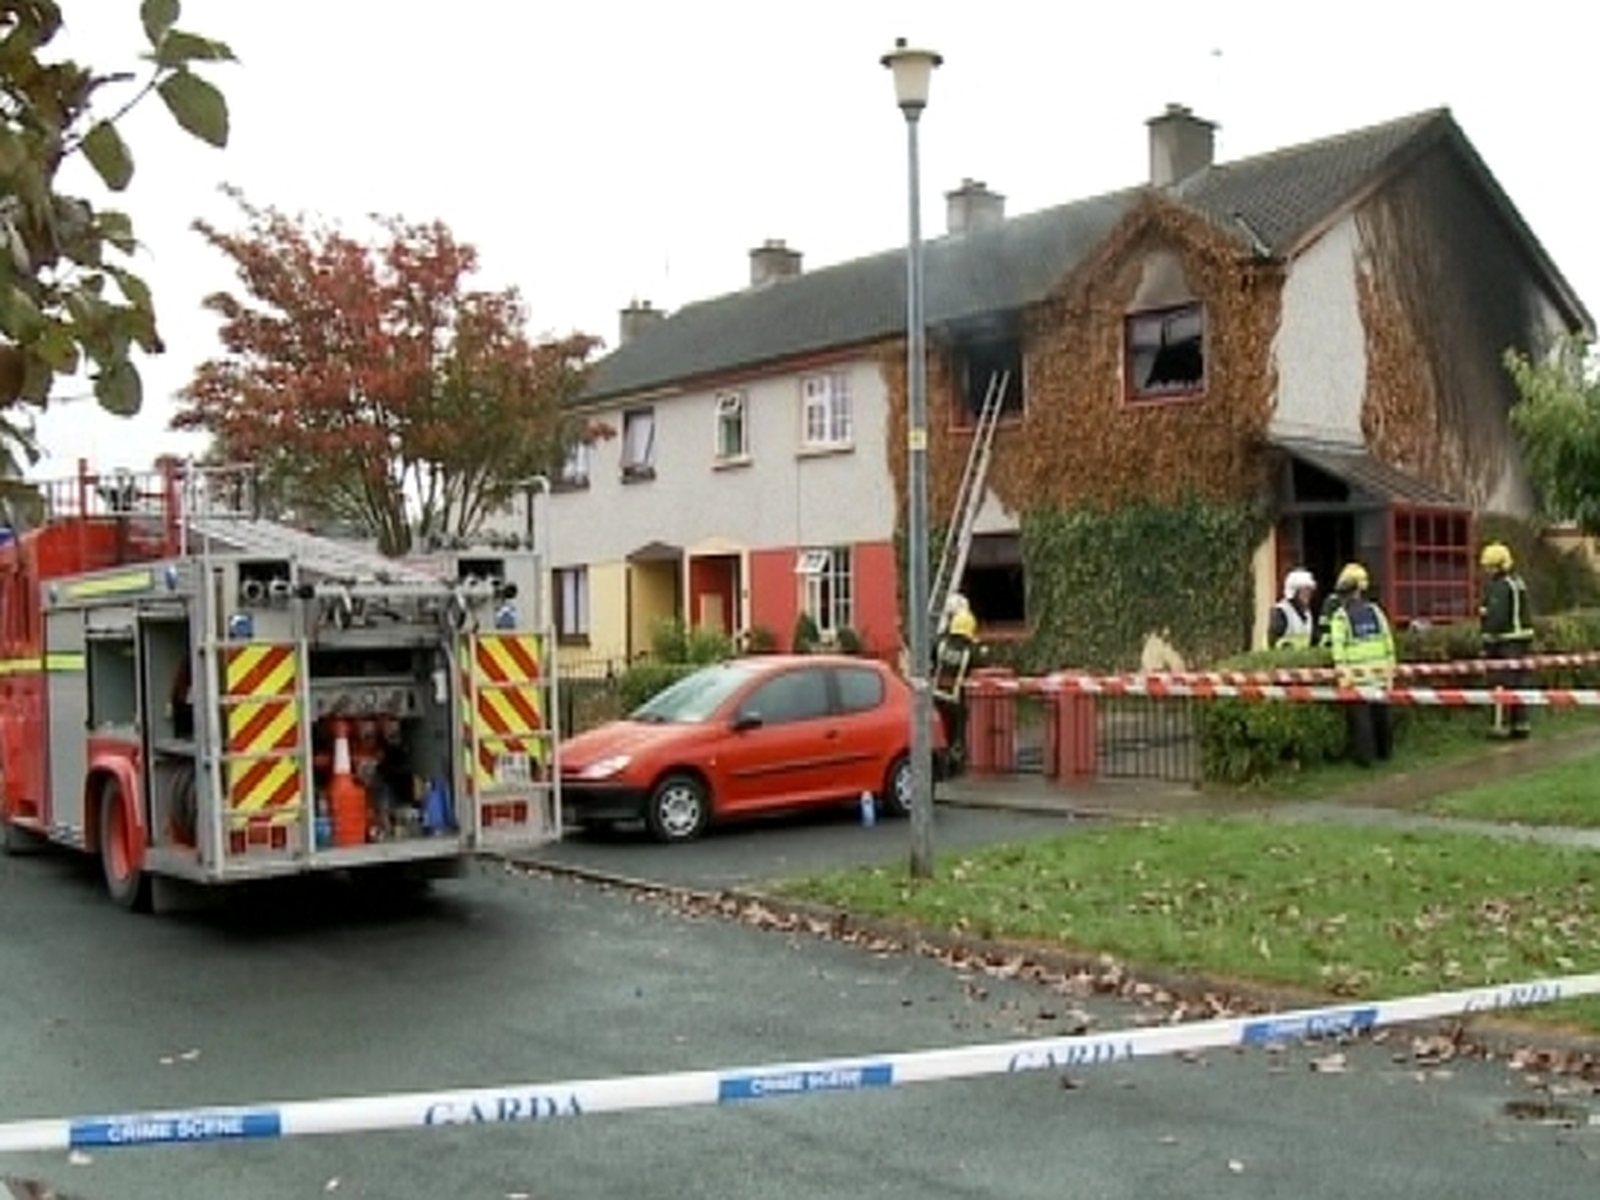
x: 679, y: 810
x: 129, y: 888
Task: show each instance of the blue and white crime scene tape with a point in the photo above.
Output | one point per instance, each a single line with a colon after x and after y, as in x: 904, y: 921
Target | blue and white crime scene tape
x: 513, y: 1104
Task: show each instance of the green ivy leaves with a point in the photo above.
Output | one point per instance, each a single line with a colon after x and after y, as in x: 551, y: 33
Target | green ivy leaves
x: 1100, y: 582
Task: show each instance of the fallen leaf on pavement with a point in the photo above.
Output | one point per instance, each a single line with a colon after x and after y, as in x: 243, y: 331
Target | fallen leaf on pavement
x: 1235, y: 1165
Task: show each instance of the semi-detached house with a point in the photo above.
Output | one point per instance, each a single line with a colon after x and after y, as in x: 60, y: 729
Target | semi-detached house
x: 1320, y: 327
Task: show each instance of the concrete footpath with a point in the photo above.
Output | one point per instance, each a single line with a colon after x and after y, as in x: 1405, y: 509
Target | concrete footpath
x: 1389, y: 798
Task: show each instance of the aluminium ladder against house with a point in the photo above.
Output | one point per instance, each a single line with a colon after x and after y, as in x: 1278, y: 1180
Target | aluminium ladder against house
x: 969, y: 501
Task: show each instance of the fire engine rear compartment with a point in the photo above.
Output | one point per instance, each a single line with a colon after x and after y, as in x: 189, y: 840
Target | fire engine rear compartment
x: 392, y: 703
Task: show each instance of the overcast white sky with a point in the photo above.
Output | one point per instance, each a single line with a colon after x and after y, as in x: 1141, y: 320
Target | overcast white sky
x: 599, y: 151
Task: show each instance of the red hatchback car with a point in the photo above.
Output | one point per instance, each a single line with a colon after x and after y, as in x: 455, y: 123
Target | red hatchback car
x: 746, y: 736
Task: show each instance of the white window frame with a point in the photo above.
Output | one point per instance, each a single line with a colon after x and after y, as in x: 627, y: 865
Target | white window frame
x: 733, y: 413
x: 827, y: 587
x: 637, y: 462
x: 572, y: 603
x: 826, y: 416
x: 812, y: 562
x: 579, y: 463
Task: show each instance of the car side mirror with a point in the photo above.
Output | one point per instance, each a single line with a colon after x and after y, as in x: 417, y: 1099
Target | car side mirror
x: 746, y: 720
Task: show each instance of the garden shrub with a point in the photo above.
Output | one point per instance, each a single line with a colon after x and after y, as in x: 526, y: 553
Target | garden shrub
x: 1244, y: 741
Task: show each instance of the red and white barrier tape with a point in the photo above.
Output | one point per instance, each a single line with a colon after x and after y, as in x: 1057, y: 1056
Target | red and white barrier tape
x: 1159, y: 687
x: 1409, y: 670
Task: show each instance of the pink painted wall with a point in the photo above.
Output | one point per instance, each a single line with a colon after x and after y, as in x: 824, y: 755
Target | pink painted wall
x: 877, y: 598
x: 774, y: 592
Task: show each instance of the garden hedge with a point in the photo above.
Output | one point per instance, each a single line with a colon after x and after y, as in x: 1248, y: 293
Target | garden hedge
x: 1245, y: 741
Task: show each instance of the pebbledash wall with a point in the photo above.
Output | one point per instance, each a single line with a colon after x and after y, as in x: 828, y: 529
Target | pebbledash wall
x: 711, y: 525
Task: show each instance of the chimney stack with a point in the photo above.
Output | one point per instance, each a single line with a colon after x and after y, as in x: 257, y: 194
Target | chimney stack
x: 1181, y: 144
x: 636, y: 318
x: 973, y: 206
x: 773, y: 260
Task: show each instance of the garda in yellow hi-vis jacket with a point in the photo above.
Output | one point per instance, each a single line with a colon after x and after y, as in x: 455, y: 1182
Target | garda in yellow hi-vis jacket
x: 1362, y: 643
x: 953, y: 657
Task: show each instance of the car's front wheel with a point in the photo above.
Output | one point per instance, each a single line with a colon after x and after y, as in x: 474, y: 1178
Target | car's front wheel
x: 896, y: 799
x: 680, y: 809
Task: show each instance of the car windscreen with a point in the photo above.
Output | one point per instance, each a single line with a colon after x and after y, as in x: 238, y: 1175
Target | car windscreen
x: 695, y: 697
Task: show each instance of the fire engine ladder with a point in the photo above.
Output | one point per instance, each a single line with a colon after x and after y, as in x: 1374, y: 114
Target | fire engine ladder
x: 969, y: 500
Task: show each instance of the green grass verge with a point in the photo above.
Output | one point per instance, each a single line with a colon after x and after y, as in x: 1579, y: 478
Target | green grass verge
x: 1566, y: 794
x: 1344, y: 910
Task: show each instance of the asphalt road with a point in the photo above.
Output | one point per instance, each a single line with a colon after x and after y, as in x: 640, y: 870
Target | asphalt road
x: 754, y: 852
x: 503, y: 978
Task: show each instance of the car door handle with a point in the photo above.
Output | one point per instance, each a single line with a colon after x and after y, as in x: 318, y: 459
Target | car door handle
x: 832, y: 735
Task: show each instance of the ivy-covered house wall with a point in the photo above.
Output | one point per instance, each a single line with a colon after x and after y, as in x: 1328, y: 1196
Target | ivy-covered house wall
x: 1137, y: 518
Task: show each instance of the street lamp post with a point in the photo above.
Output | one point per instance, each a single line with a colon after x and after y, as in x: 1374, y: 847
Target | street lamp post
x: 913, y: 71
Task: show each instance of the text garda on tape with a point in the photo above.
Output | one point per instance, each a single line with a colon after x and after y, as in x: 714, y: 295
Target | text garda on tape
x: 537, y: 1103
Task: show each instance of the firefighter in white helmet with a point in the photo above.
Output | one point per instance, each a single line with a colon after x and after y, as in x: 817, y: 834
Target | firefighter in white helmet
x: 1292, y: 624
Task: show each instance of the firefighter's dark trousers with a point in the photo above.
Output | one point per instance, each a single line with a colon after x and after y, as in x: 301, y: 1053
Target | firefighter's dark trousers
x: 1510, y: 720
x: 1371, y: 735
x: 953, y: 717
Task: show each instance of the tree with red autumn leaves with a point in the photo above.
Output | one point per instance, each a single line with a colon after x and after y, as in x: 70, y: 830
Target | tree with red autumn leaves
x: 363, y: 379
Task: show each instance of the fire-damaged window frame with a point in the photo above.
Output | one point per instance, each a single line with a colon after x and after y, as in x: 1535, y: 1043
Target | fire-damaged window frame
x: 1136, y: 393
x: 975, y: 360
x: 995, y: 582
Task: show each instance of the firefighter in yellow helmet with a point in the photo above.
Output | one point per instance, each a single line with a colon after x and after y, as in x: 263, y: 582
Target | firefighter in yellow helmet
x: 954, y: 655
x: 1506, y: 623
x: 1362, y: 643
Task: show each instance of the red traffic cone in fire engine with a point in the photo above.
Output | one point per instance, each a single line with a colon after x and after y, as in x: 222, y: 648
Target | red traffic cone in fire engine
x: 347, y: 799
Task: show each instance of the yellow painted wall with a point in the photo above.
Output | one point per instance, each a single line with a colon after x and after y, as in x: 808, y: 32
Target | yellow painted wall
x: 1264, y: 571
x: 608, y: 616
x: 655, y: 599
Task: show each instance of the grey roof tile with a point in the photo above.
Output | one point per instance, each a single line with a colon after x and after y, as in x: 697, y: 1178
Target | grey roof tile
x: 1282, y: 196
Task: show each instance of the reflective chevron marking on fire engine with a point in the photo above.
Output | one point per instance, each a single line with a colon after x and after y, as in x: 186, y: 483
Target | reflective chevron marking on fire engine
x: 508, y: 710
x: 262, y: 731
x: 263, y: 726
x: 259, y: 669
x: 264, y: 790
x: 32, y: 663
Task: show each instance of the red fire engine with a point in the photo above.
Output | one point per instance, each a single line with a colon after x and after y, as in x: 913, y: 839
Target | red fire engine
x: 196, y: 693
